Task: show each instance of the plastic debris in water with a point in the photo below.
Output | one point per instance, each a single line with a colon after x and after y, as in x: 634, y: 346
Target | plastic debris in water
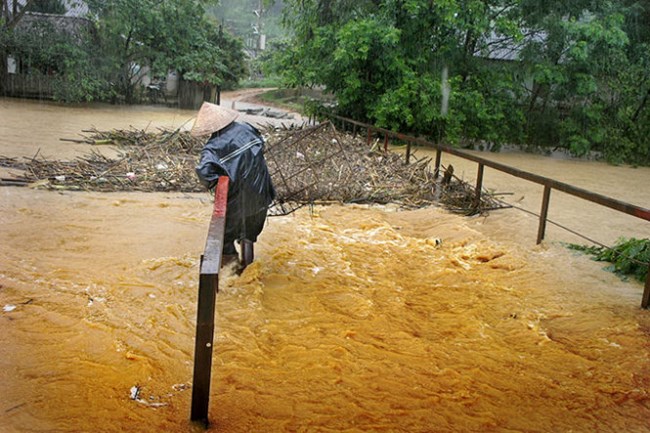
x: 135, y: 395
x: 135, y: 392
x: 7, y: 308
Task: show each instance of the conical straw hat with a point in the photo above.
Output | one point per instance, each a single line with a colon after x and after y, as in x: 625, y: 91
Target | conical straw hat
x: 212, y: 118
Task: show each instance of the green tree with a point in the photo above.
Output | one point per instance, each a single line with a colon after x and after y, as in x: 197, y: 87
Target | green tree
x: 65, y: 56
x: 163, y: 35
x: 11, y: 12
x: 46, y: 6
x: 387, y: 66
x: 552, y: 73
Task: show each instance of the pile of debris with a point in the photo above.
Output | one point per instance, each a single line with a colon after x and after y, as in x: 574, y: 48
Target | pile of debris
x: 147, y: 161
x: 308, y: 165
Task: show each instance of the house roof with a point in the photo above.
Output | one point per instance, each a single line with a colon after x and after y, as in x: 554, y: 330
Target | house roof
x: 74, y: 8
x: 74, y: 22
x: 499, y: 48
x: 69, y: 24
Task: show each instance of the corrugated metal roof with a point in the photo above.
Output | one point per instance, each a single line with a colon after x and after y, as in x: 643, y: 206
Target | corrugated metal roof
x: 74, y: 8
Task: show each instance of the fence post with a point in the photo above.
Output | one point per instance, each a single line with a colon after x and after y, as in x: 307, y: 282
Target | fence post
x: 208, y: 289
x: 369, y: 134
x: 479, y: 185
x: 645, y: 302
x: 543, y: 214
x: 386, y: 142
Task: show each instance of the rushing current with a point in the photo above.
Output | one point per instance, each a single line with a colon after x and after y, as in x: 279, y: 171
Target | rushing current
x: 351, y: 319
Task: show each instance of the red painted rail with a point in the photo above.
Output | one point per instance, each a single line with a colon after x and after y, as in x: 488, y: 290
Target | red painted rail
x: 208, y: 289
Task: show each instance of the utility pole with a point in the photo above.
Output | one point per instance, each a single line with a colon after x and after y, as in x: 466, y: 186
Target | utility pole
x: 260, y: 42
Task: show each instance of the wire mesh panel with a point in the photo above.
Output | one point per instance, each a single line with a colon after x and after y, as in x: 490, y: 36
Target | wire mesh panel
x: 307, y: 166
x: 320, y: 164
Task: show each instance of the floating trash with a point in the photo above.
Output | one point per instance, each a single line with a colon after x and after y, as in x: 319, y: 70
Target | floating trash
x: 135, y: 392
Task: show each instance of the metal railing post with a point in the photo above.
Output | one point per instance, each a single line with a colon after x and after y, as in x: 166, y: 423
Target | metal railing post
x: 479, y: 185
x: 645, y: 302
x: 208, y: 289
x: 541, y: 231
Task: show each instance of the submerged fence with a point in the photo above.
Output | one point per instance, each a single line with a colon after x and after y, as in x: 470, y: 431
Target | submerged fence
x: 549, y: 184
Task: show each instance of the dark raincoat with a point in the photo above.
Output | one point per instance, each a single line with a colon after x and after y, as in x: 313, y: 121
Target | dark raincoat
x: 237, y: 151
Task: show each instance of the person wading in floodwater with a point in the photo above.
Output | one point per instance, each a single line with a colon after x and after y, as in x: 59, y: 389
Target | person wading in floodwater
x: 235, y: 149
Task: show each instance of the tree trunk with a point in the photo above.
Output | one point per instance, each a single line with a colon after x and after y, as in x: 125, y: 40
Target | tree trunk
x: 4, y: 75
x: 641, y: 106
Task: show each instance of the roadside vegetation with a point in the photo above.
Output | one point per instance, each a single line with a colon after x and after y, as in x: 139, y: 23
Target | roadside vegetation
x: 570, y: 75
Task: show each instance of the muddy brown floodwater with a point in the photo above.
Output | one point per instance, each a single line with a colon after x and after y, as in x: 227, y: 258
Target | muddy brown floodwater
x: 352, y: 318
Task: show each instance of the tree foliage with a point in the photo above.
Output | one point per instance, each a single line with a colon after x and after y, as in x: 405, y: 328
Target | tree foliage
x: 627, y: 257
x: 127, y: 40
x: 46, y: 6
x: 553, y: 73
x: 163, y: 35
x: 66, y: 56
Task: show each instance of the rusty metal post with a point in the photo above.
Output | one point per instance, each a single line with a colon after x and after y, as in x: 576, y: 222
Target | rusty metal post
x: 436, y: 171
x: 479, y: 185
x: 645, y: 302
x: 543, y: 214
x: 208, y: 289
x: 385, y: 142
x: 369, y: 134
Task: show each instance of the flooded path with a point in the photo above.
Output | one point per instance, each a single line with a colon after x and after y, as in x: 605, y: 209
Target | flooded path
x: 352, y: 318
x: 629, y: 184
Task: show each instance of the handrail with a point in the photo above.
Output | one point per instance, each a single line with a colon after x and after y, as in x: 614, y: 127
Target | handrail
x: 612, y: 203
x: 548, y: 183
x: 208, y: 289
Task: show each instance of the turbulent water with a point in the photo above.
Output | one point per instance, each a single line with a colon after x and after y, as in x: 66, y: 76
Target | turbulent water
x: 352, y: 318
